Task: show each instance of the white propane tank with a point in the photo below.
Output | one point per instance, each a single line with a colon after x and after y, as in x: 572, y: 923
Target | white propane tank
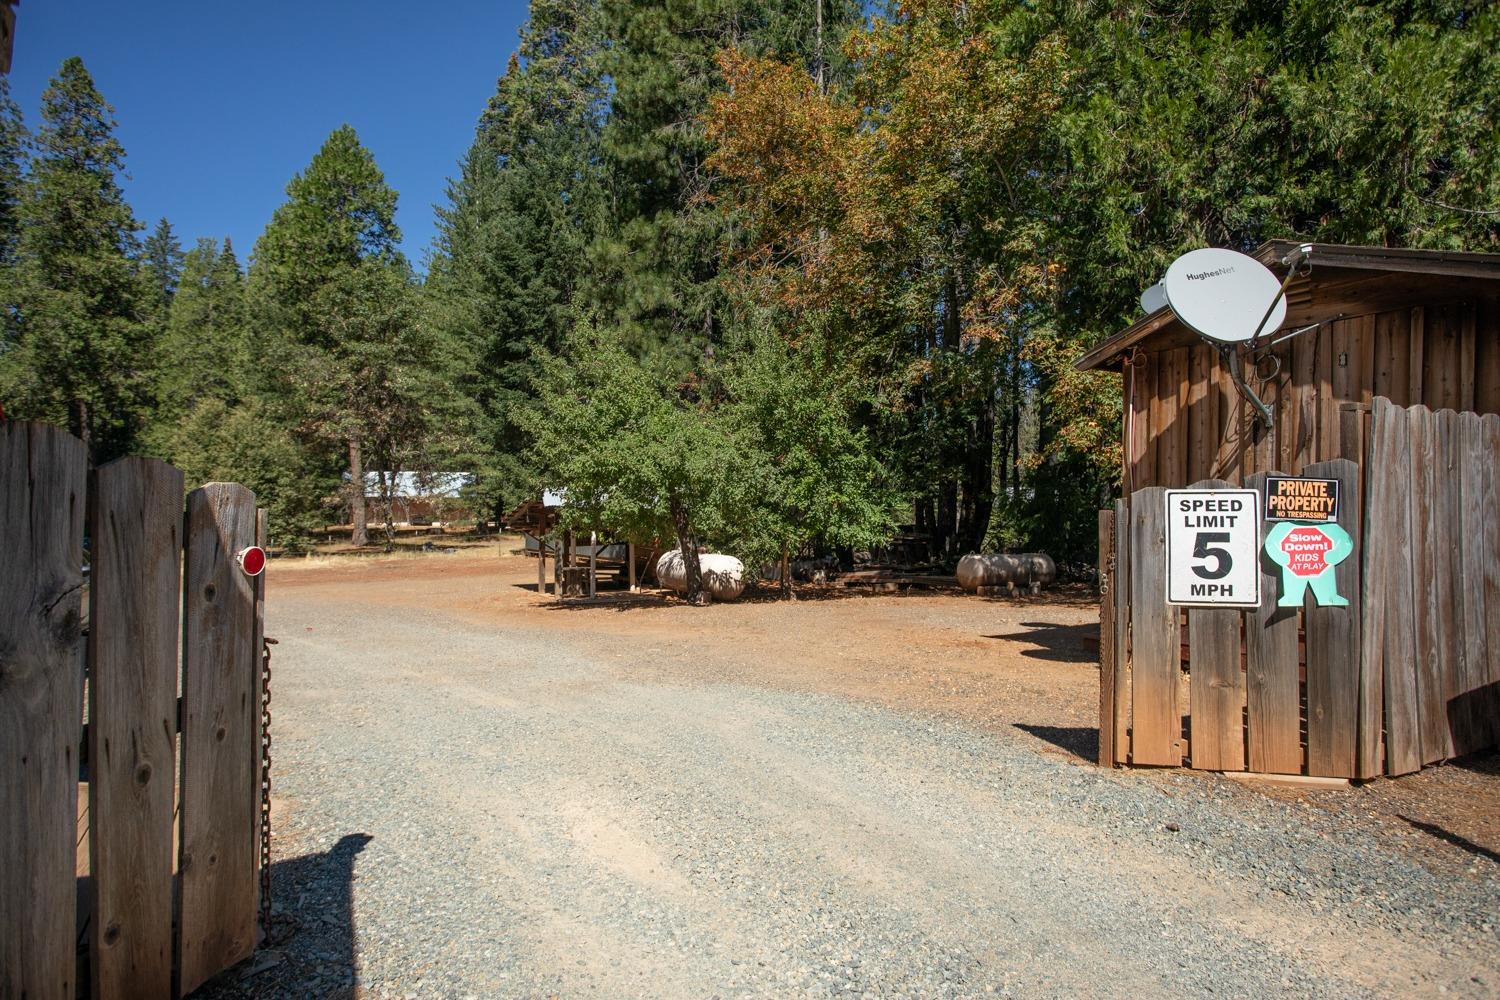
x: 1035, y: 569
x: 723, y: 576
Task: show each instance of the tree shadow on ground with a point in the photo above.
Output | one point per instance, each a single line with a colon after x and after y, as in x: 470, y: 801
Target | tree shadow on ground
x: 1080, y: 741
x: 311, y: 951
x: 1060, y: 643
x: 1462, y: 843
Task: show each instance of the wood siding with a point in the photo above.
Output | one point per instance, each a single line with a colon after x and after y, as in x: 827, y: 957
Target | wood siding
x: 1184, y: 421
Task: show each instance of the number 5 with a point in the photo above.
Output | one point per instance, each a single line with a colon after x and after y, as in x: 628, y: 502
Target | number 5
x: 1202, y: 550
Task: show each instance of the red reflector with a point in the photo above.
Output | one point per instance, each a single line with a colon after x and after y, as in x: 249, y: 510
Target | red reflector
x: 252, y: 560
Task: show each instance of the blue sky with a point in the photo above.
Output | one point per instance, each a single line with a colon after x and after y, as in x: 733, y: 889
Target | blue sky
x: 219, y: 104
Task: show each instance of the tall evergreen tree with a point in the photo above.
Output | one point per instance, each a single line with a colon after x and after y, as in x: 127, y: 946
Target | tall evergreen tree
x: 78, y: 350
x: 204, y: 342
x: 162, y: 260
x: 12, y: 167
x: 333, y: 304
x: 512, y: 240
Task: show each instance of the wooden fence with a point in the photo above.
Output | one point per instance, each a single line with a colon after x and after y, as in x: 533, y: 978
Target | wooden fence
x: 1407, y: 674
x: 160, y: 640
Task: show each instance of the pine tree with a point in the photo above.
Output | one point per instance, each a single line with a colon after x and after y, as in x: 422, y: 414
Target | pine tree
x: 79, y: 350
x: 162, y: 261
x: 333, y: 303
x: 511, y: 242
x: 12, y: 163
x: 204, y: 341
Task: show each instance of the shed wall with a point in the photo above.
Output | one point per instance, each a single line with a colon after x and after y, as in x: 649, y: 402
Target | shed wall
x: 1185, y: 422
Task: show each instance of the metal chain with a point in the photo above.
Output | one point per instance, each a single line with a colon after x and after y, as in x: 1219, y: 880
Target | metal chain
x: 265, y: 787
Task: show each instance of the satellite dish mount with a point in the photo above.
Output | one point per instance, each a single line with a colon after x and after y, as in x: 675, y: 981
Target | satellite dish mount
x: 1231, y: 299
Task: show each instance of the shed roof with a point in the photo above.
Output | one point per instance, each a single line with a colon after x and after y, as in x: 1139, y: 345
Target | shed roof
x: 1343, y: 278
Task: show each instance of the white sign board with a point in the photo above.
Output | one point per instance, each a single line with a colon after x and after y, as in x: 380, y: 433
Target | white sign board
x: 1213, y: 548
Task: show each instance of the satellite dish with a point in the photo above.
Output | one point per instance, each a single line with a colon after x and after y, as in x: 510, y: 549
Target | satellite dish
x: 1154, y: 298
x: 1224, y: 295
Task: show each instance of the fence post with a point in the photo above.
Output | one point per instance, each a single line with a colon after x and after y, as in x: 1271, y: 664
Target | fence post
x: 41, y: 705
x: 1106, y: 637
x: 220, y: 700
x: 136, y: 534
x: 1273, y: 693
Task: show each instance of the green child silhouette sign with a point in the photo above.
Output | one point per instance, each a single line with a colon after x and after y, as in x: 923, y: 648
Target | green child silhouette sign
x: 1307, y: 554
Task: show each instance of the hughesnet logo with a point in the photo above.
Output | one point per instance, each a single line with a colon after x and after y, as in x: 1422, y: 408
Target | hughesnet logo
x: 1210, y: 274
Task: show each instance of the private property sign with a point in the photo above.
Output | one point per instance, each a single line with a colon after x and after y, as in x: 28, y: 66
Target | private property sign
x: 1294, y: 498
x: 1213, y: 548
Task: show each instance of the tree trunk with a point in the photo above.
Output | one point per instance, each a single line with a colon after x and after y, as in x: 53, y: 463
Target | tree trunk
x: 361, y: 533
x: 387, y: 494
x: 786, y: 575
x: 696, y: 595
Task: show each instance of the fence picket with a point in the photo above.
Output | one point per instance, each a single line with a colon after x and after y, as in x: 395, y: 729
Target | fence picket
x: 1122, y: 632
x: 1273, y: 693
x: 1106, y: 638
x: 1469, y: 709
x: 1155, y: 638
x: 1428, y: 579
x: 220, y: 669
x: 1333, y: 653
x: 1216, y: 684
x: 135, y: 528
x: 1490, y: 461
x: 42, y: 503
x: 1389, y: 583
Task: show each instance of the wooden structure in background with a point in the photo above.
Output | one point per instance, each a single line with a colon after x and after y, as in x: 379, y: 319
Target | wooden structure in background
x: 1399, y: 374
x: 128, y: 890
x: 1417, y: 327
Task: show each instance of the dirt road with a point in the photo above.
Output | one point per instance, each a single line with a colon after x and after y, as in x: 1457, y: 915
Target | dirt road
x: 481, y: 795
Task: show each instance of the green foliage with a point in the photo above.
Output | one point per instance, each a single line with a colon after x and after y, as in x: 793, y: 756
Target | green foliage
x: 250, y: 443
x: 807, y: 472
x: 77, y: 350
x: 162, y: 261
x: 637, y: 450
x: 529, y: 200
x: 205, y: 338
x: 12, y: 164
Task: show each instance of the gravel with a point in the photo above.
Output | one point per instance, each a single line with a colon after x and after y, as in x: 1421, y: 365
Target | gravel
x: 467, y: 811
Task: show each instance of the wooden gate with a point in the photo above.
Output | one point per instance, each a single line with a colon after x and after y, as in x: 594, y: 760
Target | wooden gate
x: 166, y: 891
x: 1407, y: 674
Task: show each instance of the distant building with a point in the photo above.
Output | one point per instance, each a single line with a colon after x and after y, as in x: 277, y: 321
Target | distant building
x: 418, y: 497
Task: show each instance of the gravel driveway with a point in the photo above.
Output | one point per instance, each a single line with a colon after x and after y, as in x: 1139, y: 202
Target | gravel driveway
x: 486, y: 811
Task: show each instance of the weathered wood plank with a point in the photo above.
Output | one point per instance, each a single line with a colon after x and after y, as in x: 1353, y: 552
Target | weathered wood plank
x: 1472, y: 701
x: 1170, y: 418
x: 42, y: 503
x: 1202, y: 413
x: 1490, y: 460
x: 1428, y: 571
x: 136, y: 532
x: 1325, y: 441
x: 1333, y: 653
x: 1273, y: 692
x: 1123, y: 699
x: 1140, y: 466
x: 1390, y: 584
x: 1487, y: 356
x: 1393, y: 356
x: 1233, y: 439
x: 1106, y: 638
x: 1446, y: 508
x: 1155, y: 638
x: 1416, y: 370
x: 220, y: 668
x: 1216, y: 692
x: 1467, y: 358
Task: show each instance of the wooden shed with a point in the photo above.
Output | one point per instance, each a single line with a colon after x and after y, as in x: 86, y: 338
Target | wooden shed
x: 1384, y: 376
x: 1414, y: 326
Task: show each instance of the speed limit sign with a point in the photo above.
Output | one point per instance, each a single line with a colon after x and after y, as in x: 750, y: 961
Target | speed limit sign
x: 1213, y: 548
